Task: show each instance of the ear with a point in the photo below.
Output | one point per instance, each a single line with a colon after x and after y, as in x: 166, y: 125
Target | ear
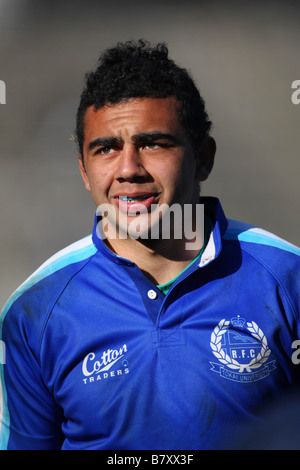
x: 83, y: 173
x: 205, y: 158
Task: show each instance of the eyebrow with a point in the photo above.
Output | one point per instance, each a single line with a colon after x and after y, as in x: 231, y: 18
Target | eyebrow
x: 105, y: 142
x: 142, y: 137
x: 154, y: 136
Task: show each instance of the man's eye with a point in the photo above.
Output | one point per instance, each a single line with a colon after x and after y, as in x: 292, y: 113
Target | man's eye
x: 104, y: 150
x: 152, y: 146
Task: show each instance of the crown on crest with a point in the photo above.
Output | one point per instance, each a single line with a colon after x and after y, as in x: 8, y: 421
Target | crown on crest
x: 238, y: 321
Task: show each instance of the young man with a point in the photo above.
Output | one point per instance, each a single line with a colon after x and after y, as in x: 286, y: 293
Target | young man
x: 138, y: 337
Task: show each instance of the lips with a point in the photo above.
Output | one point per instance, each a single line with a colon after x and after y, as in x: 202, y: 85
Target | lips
x: 133, y: 199
x: 133, y: 203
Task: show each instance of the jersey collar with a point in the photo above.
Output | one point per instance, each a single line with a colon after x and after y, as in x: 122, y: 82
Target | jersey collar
x: 214, y: 211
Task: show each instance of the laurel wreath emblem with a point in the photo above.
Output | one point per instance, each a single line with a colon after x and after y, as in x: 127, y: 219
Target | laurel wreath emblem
x: 256, y: 332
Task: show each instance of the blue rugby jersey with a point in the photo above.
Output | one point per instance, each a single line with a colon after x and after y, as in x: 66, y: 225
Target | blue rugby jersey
x: 96, y: 357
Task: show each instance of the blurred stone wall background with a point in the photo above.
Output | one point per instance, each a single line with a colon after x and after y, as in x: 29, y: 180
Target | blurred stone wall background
x: 244, y: 57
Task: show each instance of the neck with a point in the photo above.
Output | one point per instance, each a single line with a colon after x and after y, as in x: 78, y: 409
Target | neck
x: 160, y: 260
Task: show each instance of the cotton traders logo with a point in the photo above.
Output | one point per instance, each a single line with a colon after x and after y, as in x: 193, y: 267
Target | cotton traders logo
x: 111, y: 363
x: 242, y: 351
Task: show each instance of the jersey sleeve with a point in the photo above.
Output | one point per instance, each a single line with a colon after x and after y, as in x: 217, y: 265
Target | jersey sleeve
x: 29, y: 417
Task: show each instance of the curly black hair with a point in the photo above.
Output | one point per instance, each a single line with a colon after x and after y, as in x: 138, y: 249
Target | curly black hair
x: 134, y: 69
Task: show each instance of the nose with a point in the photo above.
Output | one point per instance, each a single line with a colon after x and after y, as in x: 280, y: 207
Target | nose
x: 130, y: 165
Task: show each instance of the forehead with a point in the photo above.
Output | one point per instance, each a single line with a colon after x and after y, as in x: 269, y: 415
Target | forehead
x: 132, y: 116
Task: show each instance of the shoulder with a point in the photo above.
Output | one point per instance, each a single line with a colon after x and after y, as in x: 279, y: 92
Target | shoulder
x: 52, y: 275
x: 269, y: 252
x: 259, y: 240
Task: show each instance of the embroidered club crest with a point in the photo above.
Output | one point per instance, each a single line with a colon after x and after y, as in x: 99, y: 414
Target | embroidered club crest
x: 241, y: 349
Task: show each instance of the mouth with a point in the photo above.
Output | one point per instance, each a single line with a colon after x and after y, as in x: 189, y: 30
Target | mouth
x: 133, y: 199
x: 135, y: 202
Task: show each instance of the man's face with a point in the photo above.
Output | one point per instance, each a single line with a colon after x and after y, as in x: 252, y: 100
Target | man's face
x: 136, y: 155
